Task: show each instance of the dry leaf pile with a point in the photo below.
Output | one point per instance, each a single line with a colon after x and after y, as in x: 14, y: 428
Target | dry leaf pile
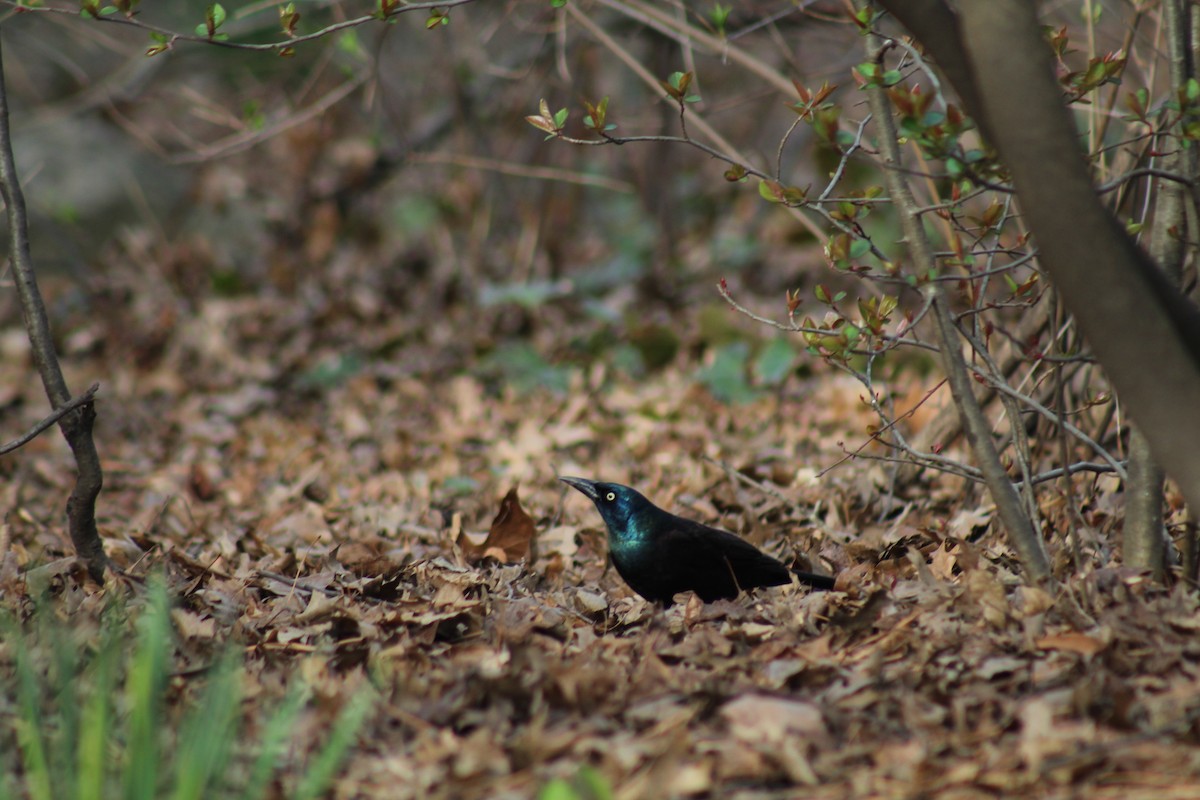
x: 330, y: 485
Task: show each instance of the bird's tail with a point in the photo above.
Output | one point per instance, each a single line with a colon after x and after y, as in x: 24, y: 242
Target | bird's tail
x: 822, y: 582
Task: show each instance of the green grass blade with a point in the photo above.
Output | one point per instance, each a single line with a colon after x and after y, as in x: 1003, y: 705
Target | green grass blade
x: 66, y: 649
x: 274, y: 740
x: 97, y: 722
x: 144, y: 690
x: 29, y: 724
x: 323, y: 769
x: 210, y: 731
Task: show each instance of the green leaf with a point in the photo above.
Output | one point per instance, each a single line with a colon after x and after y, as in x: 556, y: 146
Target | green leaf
x: 771, y: 191
x: 774, y: 363
x: 591, y: 784
x: 330, y: 372
x: 348, y: 43
x: 460, y: 485
x: 525, y: 369
x: 530, y: 294
x: 558, y: 789
x: 214, y: 18
x: 725, y: 376
x: 863, y: 18
x: 719, y: 16
x: 627, y: 359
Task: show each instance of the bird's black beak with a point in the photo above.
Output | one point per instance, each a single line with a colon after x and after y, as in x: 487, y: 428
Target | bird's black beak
x: 583, y: 485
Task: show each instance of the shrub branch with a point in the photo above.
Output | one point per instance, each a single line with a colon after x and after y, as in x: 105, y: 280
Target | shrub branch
x: 76, y: 422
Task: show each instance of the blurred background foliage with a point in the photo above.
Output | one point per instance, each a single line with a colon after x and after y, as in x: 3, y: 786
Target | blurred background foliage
x: 387, y: 171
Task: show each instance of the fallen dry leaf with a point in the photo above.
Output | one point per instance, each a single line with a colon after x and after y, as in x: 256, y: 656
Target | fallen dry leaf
x: 510, y: 537
x: 764, y: 719
x: 1072, y: 642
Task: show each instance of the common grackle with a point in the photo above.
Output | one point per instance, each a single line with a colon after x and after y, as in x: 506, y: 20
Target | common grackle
x: 659, y: 554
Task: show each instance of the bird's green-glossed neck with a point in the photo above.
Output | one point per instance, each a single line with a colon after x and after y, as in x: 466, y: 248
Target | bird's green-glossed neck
x: 625, y: 511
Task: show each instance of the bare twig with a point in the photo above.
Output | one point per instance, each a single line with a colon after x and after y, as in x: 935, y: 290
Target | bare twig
x: 50, y: 419
x: 1002, y: 387
x: 727, y: 151
x: 554, y: 174
x: 738, y: 476
x: 246, y: 139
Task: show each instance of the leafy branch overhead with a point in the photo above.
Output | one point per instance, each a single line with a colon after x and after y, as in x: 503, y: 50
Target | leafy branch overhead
x: 209, y: 30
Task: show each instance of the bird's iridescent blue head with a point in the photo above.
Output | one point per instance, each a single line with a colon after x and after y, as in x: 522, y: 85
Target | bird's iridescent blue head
x: 620, y: 506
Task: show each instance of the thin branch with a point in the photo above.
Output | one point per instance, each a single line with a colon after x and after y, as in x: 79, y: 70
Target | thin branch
x: 76, y: 425
x: 1004, y: 388
x: 681, y: 32
x: 972, y: 474
x: 247, y: 139
x: 738, y: 476
x: 844, y: 160
x: 49, y: 421
x: 172, y: 37
x: 553, y: 174
x: 1145, y: 172
x: 728, y: 152
x: 890, y: 342
x: 1022, y: 534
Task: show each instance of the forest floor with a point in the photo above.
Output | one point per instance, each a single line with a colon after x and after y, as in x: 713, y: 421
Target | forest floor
x: 322, y: 371
x: 325, y: 510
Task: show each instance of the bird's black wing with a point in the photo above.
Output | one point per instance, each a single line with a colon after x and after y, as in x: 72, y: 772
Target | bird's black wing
x: 688, y: 556
x: 715, y: 564
x: 743, y: 565
x: 725, y: 563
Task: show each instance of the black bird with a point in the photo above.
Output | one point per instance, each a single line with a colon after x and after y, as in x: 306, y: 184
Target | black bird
x: 659, y: 554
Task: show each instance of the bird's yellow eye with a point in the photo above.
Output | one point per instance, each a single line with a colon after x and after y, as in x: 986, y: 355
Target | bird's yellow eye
x: 610, y: 496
